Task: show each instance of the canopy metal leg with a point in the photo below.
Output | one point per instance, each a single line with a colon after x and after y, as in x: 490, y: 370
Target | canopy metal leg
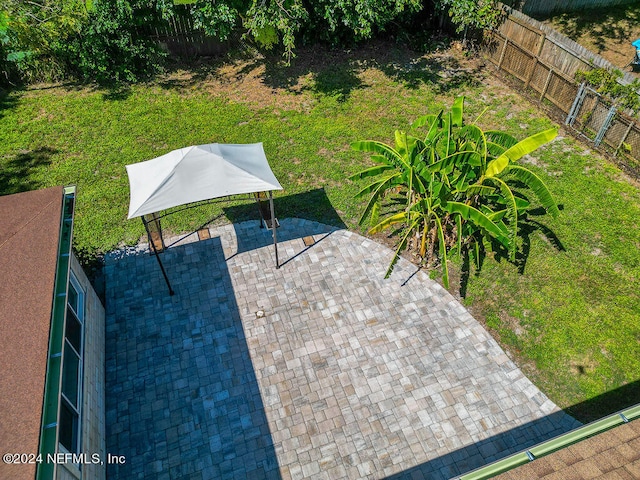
x: 273, y: 227
x: 155, y: 252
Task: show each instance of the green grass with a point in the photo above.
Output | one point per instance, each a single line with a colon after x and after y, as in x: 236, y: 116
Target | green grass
x: 575, y: 314
x: 572, y: 320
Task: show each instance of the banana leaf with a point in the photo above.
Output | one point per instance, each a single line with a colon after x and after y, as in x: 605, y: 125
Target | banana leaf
x: 519, y: 150
x: 537, y: 186
x: 479, y: 219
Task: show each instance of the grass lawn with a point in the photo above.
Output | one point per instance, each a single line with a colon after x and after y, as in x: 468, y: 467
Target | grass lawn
x: 571, y: 321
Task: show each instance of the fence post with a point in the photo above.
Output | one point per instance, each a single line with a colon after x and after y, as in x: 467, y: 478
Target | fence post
x: 504, y: 49
x: 546, y: 85
x: 624, y: 137
x: 543, y: 37
x: 575, y: 108
x: 605, y: 126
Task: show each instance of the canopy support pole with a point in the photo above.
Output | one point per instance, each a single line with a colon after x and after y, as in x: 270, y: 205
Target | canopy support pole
x: 153, y: 246
x: 273, y: 227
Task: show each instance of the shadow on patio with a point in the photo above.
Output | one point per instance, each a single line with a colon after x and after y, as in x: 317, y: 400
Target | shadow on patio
x: 182, y: 396
x: 470, y: 457
x: 312, y: 205
x: 320, y: 369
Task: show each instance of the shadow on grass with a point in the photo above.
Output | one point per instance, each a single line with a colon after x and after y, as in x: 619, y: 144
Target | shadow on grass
x: 606, y: 404
x: 337, y: 72
x: 117, y: 92
x: 531, y: 227
x: 599, y: 23
x: 526, y: 228
x: 8, y: 100
x: 16, y: 174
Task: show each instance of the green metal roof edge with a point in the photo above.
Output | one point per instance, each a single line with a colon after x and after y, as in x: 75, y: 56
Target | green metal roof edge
x: 632, y: 413
x: 49, y: 427
x: 561, y: 441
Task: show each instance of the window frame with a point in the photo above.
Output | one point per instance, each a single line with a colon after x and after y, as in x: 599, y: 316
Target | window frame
x: 69, y: 349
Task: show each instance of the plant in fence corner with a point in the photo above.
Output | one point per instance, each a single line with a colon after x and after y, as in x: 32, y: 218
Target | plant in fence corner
x: 455, y: 190
x: 607, y: 82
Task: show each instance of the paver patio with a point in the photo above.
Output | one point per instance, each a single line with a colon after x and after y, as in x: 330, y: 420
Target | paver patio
x: 319, y: 369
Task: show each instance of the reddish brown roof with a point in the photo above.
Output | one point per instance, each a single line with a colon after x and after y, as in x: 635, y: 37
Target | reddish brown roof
x: 614, y: 454
x: 29, y: 236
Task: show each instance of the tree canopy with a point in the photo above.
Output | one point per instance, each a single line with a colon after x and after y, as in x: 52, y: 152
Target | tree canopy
x: 471, y: 13
x: 105, y: 39
x: 272, y: 22
x: 34, y: 29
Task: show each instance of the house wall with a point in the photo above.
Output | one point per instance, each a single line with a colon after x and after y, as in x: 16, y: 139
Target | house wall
x: 68, y: 472
x: 93, y: 406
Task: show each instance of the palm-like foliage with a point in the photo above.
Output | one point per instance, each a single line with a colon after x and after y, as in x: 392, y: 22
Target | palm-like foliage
x: 457, y: 189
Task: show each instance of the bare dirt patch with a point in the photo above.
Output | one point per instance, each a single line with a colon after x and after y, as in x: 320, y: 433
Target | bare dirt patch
x: 244, y: 81
x: 265, y: 81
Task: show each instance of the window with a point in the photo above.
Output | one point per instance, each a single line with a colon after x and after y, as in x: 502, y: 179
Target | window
x: 71, y: 398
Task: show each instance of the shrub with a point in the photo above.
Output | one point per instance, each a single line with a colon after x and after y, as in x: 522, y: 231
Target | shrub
x: 33, y: 34
x: 608, y: 83
x: 113, y: 48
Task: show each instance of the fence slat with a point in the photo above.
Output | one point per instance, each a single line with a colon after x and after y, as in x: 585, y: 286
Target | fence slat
x: 178, y: 36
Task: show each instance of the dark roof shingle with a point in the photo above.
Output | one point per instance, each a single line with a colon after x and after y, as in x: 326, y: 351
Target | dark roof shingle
x: 614, y: 454
x: 29, y: 236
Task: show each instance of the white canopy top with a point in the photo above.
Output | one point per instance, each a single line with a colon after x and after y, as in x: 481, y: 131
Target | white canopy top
x: 198, y: 173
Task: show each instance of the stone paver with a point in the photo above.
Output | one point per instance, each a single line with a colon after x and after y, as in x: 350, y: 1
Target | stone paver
x: 319, y: 369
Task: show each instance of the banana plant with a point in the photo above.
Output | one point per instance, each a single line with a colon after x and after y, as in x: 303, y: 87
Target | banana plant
x: 455, y: 188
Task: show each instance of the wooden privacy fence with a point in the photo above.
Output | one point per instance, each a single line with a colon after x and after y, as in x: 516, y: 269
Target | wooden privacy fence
x: 549, y: 83
x: 551, y: 47
x: 581, y: 108
x: 179, y: 36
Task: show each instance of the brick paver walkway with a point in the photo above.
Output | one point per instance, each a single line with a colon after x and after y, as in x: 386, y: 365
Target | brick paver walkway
x: 320, y: 369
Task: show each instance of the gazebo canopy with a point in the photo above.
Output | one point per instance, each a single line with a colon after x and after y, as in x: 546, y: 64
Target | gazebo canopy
x: 196, y: 173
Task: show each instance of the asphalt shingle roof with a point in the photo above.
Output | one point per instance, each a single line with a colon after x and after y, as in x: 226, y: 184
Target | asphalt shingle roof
x: 29, y: 236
